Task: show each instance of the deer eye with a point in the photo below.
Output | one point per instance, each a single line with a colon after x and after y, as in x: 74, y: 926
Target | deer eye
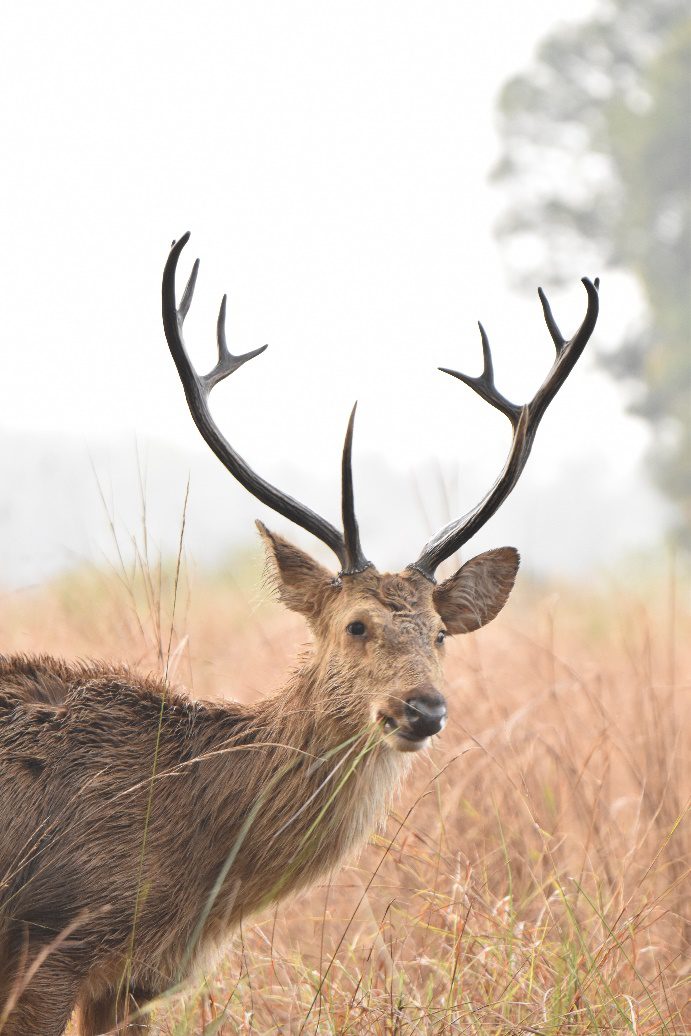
x: 356, y: 629
x: 441, y: 636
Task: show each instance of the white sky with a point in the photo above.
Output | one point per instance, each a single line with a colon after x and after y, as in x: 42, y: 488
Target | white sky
x: 331, y: 161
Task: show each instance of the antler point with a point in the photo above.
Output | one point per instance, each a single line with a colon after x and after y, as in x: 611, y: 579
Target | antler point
x: 180, y: 242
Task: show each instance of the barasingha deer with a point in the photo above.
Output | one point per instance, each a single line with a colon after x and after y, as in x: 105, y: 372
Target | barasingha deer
x: 139, y: 827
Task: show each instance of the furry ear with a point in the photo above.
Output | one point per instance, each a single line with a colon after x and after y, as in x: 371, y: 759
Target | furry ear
x: 478, y: 591
x: 299, y: 579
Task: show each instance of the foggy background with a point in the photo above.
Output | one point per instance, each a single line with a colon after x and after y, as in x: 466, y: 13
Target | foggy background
x: 334, y: 163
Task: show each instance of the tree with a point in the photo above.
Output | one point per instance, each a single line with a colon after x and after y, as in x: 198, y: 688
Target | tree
x: 596, y: 164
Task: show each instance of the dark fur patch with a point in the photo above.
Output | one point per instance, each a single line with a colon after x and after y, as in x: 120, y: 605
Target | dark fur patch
x: 33, y: 765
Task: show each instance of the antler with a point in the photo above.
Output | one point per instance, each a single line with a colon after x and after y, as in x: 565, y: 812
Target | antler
x: 197, y: 389
x: 524, y: 420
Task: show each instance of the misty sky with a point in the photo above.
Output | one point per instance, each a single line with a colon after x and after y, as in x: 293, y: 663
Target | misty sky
x: 331, y: 160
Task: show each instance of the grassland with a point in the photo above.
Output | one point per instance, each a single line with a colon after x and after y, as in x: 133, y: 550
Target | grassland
x: 534, y: 876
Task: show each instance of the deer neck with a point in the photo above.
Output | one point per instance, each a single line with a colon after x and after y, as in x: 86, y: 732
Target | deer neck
x: 308, y: 785
x: 315, y: 785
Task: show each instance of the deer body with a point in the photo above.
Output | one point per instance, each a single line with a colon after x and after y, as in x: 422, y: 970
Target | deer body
x: 146, y: 825
x: 80, y: 767
x: 140, y: 827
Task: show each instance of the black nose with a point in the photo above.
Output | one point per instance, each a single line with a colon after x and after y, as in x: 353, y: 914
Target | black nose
x: 425, y: 712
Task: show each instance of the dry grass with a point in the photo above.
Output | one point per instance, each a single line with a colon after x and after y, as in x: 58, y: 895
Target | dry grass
x: 535, y: 877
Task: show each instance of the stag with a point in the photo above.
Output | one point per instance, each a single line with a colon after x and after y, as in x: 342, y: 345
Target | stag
x: 140, y: 827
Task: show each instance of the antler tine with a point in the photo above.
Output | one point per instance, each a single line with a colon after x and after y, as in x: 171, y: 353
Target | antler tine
x: 484, y: 385
x: 197, y: 389
x: 356, y: 560
x: 568, y: 354
x: 227, y: 363
x: 525, y: 421
x: 188, y: 293
x: 223, y: 350
x: 557, y: 336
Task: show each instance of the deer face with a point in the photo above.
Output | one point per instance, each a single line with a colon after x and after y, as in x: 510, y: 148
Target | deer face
x: 380, y: 637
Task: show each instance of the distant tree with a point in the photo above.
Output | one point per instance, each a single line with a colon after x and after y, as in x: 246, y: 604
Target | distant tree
x: 596, y: 162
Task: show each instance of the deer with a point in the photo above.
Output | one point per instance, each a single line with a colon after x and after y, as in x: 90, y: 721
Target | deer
x: 140, y: 826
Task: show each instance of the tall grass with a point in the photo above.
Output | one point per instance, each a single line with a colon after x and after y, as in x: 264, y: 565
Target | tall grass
x: 535, y: 875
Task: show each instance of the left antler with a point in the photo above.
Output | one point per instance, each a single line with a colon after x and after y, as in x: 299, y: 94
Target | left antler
x: 524, y: 420
x: 346, y: 545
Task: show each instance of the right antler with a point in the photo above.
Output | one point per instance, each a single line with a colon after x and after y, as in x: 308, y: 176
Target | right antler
x: 524, y: 419
x: 197, y: 388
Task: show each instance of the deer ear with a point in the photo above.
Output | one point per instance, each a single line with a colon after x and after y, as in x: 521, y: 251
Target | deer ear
x: 478, y: 591
x: 299, y: 579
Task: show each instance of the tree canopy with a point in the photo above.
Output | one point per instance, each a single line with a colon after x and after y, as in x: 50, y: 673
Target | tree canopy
x: 596, y: 153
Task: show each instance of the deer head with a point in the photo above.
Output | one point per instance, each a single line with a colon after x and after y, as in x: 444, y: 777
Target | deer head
x: 379, y: 637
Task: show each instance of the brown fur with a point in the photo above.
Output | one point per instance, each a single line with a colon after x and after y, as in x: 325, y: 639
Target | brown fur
x: 124, y: 883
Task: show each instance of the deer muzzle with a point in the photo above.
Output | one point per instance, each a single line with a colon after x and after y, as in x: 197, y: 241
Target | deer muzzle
x: 423, y: 714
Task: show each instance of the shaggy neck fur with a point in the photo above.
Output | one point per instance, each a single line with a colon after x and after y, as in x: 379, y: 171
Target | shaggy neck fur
x: 308, y: 787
